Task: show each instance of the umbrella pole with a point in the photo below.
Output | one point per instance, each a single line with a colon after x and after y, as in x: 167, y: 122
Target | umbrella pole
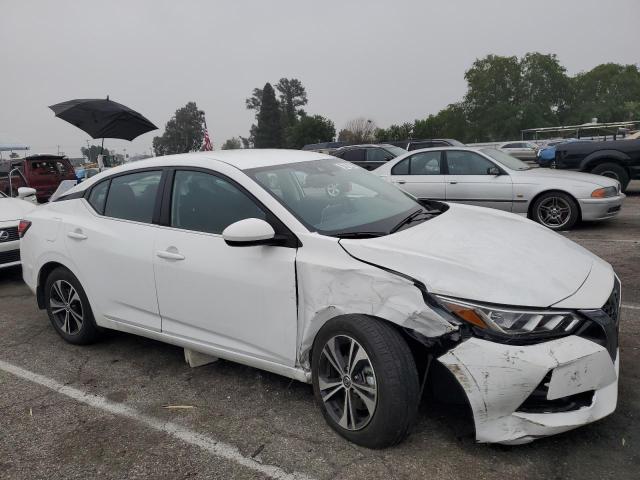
x: 102, y: 150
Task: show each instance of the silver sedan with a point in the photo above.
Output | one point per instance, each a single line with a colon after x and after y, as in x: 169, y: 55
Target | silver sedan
x: 490, y: 178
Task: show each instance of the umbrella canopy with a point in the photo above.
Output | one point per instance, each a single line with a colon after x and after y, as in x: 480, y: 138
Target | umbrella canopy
x: 103, y: 118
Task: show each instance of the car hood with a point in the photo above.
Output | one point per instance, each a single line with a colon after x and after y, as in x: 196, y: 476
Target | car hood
x: 14, y: 209
x: 486, y: 255
x: 546, y: 175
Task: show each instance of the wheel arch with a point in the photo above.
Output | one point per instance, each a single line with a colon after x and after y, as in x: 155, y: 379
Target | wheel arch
x: 606, y: 156
x: 43, y: 273
x: 532, y: 202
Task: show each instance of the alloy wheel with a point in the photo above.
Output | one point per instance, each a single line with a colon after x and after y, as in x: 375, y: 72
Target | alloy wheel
x: 554, y: 212
x: 66, y: 307
x: 347, y: 382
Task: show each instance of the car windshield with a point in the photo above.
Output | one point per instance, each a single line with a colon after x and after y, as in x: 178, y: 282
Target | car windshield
x: 334, y: 197
x: 397, y: 151
x: 505, y: 159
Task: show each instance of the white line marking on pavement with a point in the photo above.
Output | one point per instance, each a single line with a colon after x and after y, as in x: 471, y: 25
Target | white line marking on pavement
x: 618, y: 240
x: 631, y: 307
x: 213, y: 446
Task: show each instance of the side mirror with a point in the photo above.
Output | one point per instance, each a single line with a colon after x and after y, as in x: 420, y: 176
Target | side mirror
x: 24, y: 192
x: 495, y: 171
x: 249, y: 232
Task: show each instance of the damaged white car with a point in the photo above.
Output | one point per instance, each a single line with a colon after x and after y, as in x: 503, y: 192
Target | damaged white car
x: 310, y: 267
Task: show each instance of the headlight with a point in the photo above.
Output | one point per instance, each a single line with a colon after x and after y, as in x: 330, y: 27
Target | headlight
x: 605, y: 192
x: 512, y: 322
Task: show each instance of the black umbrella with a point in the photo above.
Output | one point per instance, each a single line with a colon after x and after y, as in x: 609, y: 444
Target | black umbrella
x: 103, y: 118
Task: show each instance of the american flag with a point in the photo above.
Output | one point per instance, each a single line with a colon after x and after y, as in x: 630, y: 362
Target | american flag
x: 207, y: 146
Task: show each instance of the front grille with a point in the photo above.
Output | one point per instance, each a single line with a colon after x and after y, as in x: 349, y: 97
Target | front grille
x: 12, y: 233
x: 9, y: 256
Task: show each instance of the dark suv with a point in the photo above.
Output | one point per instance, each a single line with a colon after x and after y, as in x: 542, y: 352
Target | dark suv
x: 369, y: 156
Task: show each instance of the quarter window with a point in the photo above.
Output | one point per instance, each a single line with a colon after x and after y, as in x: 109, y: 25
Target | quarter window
x: 133, y: 196
x: 207, y: 203
x: 98, y: 196
x: 467, y: 163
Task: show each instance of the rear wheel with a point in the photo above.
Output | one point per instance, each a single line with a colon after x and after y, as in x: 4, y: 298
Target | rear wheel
x: 68, y: 308
x: 365, y: 380
x: 613, y: 170
x: 555, y: 210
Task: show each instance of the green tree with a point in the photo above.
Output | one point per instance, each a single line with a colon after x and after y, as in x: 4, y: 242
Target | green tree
x: 308, y: 129
x: 608, y: 92
x: 183, y: 133
x: 92, y: 152
x: 292, y: 96
x: 394, y: 132
x: 450, y: 122
x: 358, y: 130
x: 232, y: 144
x: 269, y: 130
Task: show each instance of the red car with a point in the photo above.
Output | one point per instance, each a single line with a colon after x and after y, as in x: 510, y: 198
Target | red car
x: 43, y: 172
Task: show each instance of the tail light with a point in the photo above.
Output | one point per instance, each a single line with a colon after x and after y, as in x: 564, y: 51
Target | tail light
x: 23, y: 226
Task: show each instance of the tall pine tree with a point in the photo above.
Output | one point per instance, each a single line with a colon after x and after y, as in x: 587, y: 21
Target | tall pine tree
x: 269, y: 132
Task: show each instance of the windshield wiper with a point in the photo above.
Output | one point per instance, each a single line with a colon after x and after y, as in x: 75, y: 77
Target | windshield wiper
x: 407, y: 220
x: 359, y: 234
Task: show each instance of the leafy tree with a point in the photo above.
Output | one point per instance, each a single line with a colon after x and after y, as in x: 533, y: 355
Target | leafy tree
x: 269, y: 131
x: 254, y: 102
x: 358, y: 130
x: 92, y: 152
x: 394, y: 132
x: 183, y: 133
x: 450, y: 122
x: 307, y: 130
x: 609, y: 92
x: 292, y: 96
x: 232, y: 144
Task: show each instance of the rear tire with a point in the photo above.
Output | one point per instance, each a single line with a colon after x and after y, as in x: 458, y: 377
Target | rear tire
x: 615, y: 171
x: 555, y: 210
x: 380, y: 379
x: 68, y: 308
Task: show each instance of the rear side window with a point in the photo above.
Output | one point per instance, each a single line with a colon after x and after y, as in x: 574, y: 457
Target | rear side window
x: 355, y: 155
x: 133, y: 196
x: 206, y: 203
x: 98, y: 196
x: 426, y: 163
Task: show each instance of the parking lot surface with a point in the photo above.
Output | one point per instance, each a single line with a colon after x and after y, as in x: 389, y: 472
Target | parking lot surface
x: 129, y: 407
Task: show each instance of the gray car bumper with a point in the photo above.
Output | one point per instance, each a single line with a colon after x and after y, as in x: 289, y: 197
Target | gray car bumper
x: 601, y: 208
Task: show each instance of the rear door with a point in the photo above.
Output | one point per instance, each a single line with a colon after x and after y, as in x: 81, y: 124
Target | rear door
x: 110, y: 238
x: 421, y: 175
x: 468, y: 181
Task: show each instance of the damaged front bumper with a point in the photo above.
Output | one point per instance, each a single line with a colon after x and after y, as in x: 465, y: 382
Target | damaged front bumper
x: 520, y: 393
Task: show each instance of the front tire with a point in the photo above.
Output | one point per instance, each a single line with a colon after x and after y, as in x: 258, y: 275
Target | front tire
x: 68, y: 308
x: 615, y: 171
x: 365, y: 381
x: 555, y: 210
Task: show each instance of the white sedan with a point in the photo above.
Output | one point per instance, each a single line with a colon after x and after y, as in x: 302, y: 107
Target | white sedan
x: 490, y: 178
x: 311, y: 267
x: 11, y: 211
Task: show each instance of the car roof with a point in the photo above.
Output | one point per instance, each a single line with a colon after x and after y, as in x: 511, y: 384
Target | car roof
x: 366, y: 145
x: 242, y: 159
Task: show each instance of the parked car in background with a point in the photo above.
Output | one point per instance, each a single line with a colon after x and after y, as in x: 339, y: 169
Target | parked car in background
x: 618, y: 159
x: 491, y: 178
x: 546, y: 155
x: 324, y: 147
x: 44, y: 172
x: 426, y: 143
x: 369, y: 156
x: 243, y: 255
x: 11, y: 211
x: 521, y: 150
x: 86, y: 172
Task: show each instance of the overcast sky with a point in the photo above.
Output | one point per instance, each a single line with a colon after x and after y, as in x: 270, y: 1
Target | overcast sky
x: 391, y: 61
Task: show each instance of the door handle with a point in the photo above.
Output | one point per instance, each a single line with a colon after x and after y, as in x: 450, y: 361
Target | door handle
x: 401, y: 181
x: 453, y: 183
x: 170, y: 255
x: 77, y: 235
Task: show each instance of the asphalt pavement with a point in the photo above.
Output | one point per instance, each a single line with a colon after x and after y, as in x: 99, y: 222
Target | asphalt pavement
x: 130, y: 407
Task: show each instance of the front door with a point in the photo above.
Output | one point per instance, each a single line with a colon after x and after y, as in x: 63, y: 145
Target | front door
x: 469, y: 181
x: 240, y: 299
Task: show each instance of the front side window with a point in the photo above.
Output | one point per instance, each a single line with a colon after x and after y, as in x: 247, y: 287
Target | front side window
x: 355, y: 155
x: 336, y: 197
x: 378, y: 155
x: 426, y: 163
x: 133, y: 196
x: 462, y: 162
x: 206, y: 203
